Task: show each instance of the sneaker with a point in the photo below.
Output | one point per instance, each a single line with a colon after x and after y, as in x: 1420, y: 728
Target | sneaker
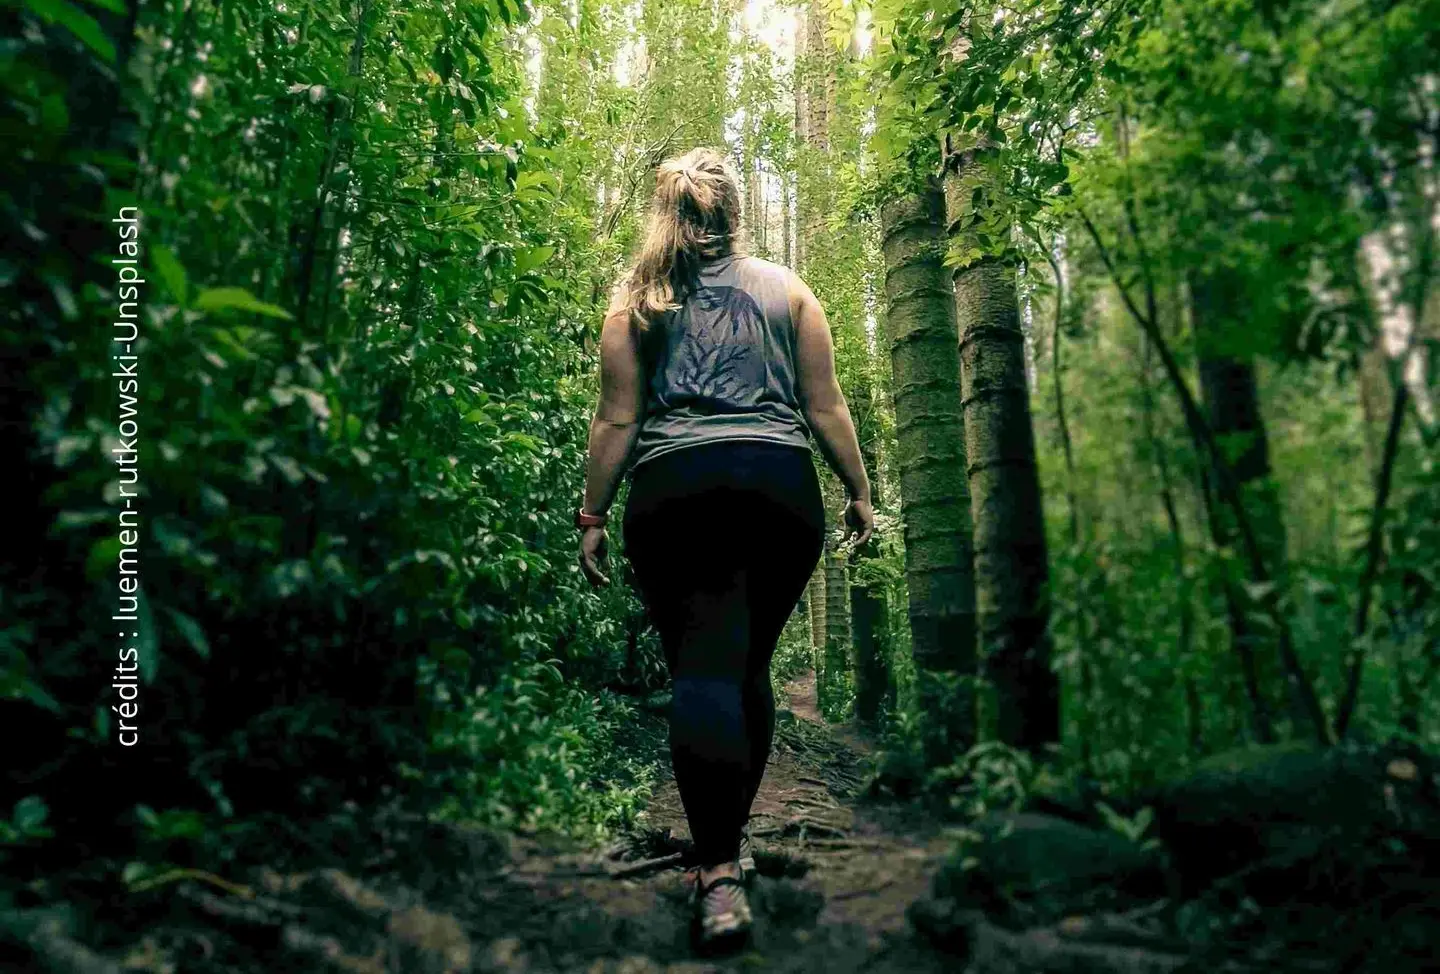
x: 747, y: 856
x: 721, y: 908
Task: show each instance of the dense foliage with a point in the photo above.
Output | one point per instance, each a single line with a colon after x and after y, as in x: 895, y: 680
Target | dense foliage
x: 376, y: 239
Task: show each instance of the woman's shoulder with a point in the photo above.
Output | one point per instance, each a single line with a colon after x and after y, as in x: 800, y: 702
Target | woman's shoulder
x: 770, y: 269
x: 756, y: 261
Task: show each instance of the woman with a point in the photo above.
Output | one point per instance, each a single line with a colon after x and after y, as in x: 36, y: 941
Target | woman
x: 715, y: 370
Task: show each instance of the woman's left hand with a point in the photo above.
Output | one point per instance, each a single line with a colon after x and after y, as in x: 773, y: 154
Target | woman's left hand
x: 593, y: 548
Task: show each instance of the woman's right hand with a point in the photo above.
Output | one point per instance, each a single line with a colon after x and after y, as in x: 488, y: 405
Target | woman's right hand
x: 860, y: 519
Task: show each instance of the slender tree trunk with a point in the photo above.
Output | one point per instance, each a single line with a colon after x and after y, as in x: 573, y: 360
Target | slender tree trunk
x: 930, y: 454
x: 868, y: 609
x: 346, y: 156
x: 1374, y: 544
x: 1230, y: 396
x: 764, y: 216
x: 812, y: 198
x: 820, y: 93
x: 752, y: 200
x: 837, y: 609
x: 1186, y: 620
x: 869, y: 614
x: 1071, y: 501
x: 816, y: 601
x: 802, y: 139
x: 1374, y: 398
x: 786, y: 227
x: 1402, y: 396
x: 1011, y: 564
x: 1082, y: 618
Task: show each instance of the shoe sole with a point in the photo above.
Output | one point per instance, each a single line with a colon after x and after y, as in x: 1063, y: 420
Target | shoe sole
x: 733, y: 924
x: 718, y: 932
x: 730, y: 924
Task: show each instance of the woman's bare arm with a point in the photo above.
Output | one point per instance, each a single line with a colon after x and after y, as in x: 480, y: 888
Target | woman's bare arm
x: 820, y: 397
x: 616, y: 424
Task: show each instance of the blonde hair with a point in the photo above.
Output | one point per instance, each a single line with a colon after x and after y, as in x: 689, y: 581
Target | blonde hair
x: 694, y: 215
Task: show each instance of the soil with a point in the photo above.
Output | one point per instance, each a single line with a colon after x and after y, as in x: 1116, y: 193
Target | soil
x: 836, y: 876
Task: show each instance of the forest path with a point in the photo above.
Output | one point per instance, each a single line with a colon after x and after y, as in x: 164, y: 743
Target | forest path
x: 836, y: 876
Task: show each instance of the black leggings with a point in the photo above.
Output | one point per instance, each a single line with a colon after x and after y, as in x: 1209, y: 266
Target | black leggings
x: 722, y: 537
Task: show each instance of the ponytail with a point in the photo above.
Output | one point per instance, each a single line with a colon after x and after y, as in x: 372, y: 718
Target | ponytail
x: 694, y: 216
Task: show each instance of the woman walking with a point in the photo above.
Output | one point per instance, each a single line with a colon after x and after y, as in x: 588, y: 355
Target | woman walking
x: 716, y: 369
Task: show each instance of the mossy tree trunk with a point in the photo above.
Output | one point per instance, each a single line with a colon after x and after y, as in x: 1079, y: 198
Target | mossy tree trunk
x: 1011, y: 564
x: 930, y: 443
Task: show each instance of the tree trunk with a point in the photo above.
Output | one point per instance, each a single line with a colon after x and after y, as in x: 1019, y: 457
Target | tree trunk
x: 752, y: 200
x: 868, y: 607
x: 930, y: 455
x: 1230, y: 397
x: 1193, y: 717
x: 1086, y: 724
x: 811, y: 202
x: 785, y: 221
x: 816, y: 602
x: 1374, y: 398
x: 1011, y: 566
x: 837, y: 611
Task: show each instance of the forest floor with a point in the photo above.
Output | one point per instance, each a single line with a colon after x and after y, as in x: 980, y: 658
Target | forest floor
x: 836, y: 877
x: 1246, y: 882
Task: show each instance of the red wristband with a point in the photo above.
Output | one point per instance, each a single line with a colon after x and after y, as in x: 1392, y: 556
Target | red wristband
x: 583, y: 520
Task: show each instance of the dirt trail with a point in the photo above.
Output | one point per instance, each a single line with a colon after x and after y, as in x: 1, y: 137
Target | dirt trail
x: 836, y: 876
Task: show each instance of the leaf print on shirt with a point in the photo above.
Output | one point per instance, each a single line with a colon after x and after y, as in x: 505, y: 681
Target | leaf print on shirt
x: 717, y: 359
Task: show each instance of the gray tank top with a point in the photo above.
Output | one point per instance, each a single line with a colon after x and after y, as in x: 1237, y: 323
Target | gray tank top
x: 722, y: 366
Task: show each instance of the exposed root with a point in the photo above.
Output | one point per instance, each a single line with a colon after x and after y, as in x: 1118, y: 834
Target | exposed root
x: 649, y: 865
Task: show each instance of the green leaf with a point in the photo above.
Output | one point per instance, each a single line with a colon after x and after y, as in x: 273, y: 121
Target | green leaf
x: 135, y: 871
x: 237, y: 299
x: 475, y: 13
x: 102, y: 557
x: 39, y: 696
x: 1259, y: 591
x: 531, y: 257
x: 523, y: 440
x: 54, y: 115
x: 191, y: 630
x: 30, y: 813
x: 79, y: 23
x: 172, y: 275
x: 535, y: 183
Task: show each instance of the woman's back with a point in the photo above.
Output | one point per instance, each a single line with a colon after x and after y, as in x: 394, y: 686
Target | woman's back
x: 722, y: 366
